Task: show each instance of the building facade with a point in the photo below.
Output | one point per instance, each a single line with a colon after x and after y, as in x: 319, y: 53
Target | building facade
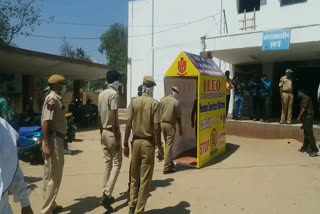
x: 244, y: 36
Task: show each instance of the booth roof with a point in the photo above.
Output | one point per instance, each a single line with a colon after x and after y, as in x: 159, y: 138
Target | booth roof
x: 26, y: 62
x: 205, y: 66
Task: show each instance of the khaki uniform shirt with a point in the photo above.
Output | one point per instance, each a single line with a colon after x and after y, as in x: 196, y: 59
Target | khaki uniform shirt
x: 144, y: 112
x: 170, y: 109
x: 108, y: 101
x: 53, y: 110
x: 285, y: 84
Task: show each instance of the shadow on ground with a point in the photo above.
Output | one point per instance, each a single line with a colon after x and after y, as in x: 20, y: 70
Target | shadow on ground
x: 75, y: 152
x: 31, y: 182
x: 154, y: 185
x: 160, y: 183
x: 231, y: 148
x: 180, y: 208
x: 77, y: 140
x: 83, y: 205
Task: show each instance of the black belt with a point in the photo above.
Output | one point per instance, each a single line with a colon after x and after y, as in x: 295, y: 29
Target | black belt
x: 150, y: 139
x: 167, y: 122
x: 58, y: 134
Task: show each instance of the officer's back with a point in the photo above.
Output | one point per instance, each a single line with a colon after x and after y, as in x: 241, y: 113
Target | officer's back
x: 143, y: 108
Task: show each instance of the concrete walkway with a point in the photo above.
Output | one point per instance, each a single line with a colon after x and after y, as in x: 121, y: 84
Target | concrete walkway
x: 254, y: 177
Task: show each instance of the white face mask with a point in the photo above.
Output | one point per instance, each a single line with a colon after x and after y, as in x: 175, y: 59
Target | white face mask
x: 174, y: 94
x: 63, y: 91
x: 151, y: 91
x: 115, y: 85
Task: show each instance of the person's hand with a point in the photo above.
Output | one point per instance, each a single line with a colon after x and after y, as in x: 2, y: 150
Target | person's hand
x: 46, y: 151
x: 299, y: 119
x: 126, y: 150
x: 26, y: 210
x: 180, y: 132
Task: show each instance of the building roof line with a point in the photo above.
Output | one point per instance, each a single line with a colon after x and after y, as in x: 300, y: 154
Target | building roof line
x: 254, y: 32
x: 52, y: 57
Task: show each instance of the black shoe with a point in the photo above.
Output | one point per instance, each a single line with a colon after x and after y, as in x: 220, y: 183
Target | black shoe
x: 106, y: 202
x: 58, y: 209
x: 313, y: 154
x: 302, y: 150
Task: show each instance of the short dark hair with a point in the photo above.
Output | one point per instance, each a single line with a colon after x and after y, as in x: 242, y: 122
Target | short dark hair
x: 113, y: 76
x: 140, y: 89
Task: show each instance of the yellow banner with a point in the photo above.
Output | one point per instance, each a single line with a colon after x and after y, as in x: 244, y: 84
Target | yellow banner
x: 212, y: 118
x: 182, y: 67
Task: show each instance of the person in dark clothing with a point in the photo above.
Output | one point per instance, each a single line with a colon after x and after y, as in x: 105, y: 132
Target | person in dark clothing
x: 229, y: 86
x: 306, y: 116
x: 255, y: 92
x: 194, y: 115
x: 266, y: 96
x: 239, y: 87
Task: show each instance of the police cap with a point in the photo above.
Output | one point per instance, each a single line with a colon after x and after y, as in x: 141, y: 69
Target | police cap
x: 175, y: 88
x: 148, y: 81
x: 56, y: 78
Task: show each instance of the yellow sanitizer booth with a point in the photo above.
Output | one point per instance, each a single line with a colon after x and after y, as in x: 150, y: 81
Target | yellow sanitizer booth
x: 202, y: 96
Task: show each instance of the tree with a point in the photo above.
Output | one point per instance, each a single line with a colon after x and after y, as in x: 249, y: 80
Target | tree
x: 68, y: 50
x: 114, y: 44
x: 18, y: 17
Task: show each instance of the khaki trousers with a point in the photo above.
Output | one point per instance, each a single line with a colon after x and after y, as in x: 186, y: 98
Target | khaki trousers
x: 53, y: 169
x: 142, y: 164
x: 287, y: 102
x: 113, y: 161
x: 169, y: 132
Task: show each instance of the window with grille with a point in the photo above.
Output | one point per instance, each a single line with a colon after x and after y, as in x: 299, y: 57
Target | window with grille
x: 289, y: 2
x: 248, y: 5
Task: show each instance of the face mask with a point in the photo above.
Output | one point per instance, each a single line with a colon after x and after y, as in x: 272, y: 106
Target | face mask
x: 151, y: 91
x: 64, y: 90
x: 300, y: 95
x: 115, y: 85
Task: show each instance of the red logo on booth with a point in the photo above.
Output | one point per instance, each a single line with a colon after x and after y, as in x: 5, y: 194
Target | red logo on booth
x: 182, y: 67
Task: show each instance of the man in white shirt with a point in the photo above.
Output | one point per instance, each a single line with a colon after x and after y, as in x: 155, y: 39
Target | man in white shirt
x: 11, y: 176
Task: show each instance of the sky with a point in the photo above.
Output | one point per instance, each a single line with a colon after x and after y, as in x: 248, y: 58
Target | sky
x: 101, y: 12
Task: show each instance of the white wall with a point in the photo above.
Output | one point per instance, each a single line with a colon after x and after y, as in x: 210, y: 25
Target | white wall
x: 186, y: 35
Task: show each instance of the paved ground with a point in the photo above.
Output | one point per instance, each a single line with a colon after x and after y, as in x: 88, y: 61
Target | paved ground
x: 254, y: 176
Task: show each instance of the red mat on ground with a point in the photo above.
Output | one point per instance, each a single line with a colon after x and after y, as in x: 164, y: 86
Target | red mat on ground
x: 188, y: 158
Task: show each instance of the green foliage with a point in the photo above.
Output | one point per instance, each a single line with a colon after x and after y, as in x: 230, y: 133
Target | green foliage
x: 114, y: 44
x: 68, y: 50
x: 18, y: 17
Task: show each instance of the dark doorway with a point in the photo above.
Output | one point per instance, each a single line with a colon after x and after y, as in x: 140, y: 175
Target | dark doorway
x: 306, y: 75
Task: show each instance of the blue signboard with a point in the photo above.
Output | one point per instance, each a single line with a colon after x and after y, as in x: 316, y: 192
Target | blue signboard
x: 276, y: 40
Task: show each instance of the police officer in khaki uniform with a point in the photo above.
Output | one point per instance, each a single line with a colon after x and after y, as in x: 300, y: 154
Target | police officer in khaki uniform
x: 286, y: 94
x: 170, y: 114
x: 144, y: 120
x: 110, y: 136
x: 54, y: 127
